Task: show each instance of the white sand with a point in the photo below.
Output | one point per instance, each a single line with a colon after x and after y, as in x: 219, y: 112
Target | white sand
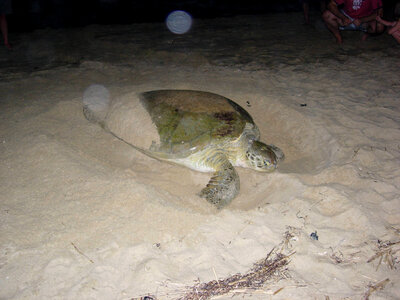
x: 84, y: 216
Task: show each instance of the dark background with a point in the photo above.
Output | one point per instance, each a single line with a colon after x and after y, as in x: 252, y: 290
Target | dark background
x: 29, y: 15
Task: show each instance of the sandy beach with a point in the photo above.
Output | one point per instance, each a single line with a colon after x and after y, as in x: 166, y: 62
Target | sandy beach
x: 85, y: 216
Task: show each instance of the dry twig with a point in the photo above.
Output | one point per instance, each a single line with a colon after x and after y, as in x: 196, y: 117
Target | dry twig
x: 81, y: 253
x: 290, y: 234
x: 255, y: 278
x: 386, y: 253
x: 376, y: 287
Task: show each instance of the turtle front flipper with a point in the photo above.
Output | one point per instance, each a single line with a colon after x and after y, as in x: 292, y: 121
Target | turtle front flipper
x: 224, y: 185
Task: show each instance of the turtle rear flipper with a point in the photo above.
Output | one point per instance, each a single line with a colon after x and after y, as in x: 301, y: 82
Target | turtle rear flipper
x: 224, y: 185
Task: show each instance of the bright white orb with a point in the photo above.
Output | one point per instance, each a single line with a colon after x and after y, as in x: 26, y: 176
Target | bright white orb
x: 179, y: 22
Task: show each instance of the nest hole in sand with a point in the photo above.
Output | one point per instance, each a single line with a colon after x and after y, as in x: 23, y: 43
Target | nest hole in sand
x: 309, y: 148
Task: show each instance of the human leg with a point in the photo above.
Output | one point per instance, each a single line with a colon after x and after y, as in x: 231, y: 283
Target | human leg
x: 333, y: 23
x: 396, y: 36
x: 394, y: 27
x: 4, y: 30
x: 322, y: 6
x: 374, y: 28
x: 306, y: 9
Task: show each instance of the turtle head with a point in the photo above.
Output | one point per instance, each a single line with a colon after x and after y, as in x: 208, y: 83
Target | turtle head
x: 262, y: 157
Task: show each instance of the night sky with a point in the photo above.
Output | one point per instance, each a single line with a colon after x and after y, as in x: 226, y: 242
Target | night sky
x: 29, y: 15
x: 32, y: 14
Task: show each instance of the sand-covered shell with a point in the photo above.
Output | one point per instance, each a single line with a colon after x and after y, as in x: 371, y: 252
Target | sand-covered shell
x: 176, y: 123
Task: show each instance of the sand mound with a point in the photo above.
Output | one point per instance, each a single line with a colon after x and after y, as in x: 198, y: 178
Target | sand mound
x: 83, y: 215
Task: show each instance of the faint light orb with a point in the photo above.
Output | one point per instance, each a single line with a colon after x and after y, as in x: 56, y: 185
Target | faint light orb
x: 96, y: 96
x: 179, y: 22
x: 96, y: 100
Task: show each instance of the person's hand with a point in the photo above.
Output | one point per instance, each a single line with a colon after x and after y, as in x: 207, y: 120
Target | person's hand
x: 394, y: 30
x: 345, y: 21
x: 357, y: 22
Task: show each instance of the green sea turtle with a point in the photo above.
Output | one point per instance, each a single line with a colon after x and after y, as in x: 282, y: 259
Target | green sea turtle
x: 200, y: 130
